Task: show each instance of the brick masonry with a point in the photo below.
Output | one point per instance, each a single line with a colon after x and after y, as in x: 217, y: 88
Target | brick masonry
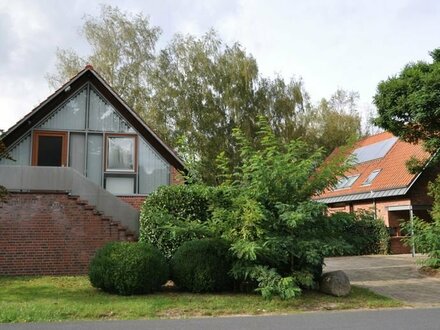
x: 135, y: 201
x: 175, y: 176
x: 417, y: 196
x: 55, y: 234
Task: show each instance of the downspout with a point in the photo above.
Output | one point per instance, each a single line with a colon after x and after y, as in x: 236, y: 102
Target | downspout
x: 374, y: 205
x: 411, y: 218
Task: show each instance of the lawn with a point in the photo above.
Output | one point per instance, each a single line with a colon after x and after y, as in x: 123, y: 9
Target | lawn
x: 51, y: 298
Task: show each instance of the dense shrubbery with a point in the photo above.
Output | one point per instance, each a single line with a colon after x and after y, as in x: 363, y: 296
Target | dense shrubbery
x: 128, y: 268
x: 277, y: 235
x: 363, y: 233
x: 426, y: 235
x: 173, y: 215
x: 202, y: 266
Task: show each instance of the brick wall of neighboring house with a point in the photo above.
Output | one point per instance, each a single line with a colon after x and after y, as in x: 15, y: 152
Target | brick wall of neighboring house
x: 135, y: 201
x: 391, y: 219
x: 419, y: 191
x: 175, y: 176
x: 52, y: 234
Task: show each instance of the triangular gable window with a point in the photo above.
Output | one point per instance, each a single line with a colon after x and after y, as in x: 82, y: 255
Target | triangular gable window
x: 70, y: 115
x: 103, y: 117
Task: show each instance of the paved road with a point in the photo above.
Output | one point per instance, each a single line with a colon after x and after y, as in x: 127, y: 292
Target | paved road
x: 395, y: 276
x: 409, y: 319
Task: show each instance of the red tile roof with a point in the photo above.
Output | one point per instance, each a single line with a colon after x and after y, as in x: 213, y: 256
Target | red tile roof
x: 393, y: 172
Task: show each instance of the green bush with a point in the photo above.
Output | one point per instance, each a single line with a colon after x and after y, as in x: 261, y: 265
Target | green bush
x: 128, y: 268
x: 426, y: 234
x: 202, y: 266
x: 363, y: 233
x: 173, y: 215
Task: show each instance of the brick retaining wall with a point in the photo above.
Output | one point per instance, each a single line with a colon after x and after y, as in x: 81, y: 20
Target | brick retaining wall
x: 42, y: 234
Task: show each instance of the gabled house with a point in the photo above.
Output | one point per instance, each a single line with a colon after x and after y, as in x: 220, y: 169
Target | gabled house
x: 83, y: 163
x: 380, y: 182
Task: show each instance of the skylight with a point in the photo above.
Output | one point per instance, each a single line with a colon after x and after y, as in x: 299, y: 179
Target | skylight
x: 346, y: 181
x: 371, y: 177
x: 373, y: 151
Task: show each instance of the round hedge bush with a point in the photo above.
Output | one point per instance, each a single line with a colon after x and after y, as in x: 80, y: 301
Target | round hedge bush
x: 128, y: 268
x: 202, y: 266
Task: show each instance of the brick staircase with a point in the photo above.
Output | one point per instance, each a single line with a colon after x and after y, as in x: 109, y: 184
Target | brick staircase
x: 117, y: 231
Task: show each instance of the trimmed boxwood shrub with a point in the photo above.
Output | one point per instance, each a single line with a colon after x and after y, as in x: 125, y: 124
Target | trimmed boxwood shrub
x: 202, y: 266
x: 128, y: 268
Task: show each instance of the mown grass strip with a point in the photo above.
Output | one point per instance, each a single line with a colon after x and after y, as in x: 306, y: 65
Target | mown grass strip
x: 60, y: 298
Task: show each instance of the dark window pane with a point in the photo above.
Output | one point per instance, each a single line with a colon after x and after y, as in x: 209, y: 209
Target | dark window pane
x: 50, y: 150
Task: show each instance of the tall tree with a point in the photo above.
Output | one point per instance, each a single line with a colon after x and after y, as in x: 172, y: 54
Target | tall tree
x: 123, y: 51
x: 334, y: 122
x: 408, y: 103
x: 194, y: 91
x: 204, y: 88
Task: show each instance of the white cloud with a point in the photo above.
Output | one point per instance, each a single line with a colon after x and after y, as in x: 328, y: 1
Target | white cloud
x: 330, y: 43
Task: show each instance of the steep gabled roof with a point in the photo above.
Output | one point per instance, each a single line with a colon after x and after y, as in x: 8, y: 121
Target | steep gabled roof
x: 88, y: 74
x: 392, y: 176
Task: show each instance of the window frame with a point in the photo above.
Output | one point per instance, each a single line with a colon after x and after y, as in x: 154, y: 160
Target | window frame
x: 376, y: 173
x: 340, y: 186
x: 107, y: 137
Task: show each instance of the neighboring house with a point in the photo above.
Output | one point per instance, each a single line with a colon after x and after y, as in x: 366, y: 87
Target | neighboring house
x: 84, y: 162
x: 380, y: 182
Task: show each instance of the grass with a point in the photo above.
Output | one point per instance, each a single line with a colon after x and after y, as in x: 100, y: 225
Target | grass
x: 51, y: 298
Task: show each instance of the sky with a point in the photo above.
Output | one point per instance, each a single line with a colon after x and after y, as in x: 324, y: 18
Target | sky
x: 330, y: 44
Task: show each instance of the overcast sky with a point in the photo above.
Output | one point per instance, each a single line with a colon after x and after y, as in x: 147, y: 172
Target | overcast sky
x: 329, y: 43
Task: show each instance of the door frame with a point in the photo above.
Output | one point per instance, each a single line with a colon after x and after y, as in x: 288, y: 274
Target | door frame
x: 37, y: 134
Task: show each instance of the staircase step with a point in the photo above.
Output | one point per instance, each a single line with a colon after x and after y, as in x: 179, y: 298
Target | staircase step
x: 116, y: 229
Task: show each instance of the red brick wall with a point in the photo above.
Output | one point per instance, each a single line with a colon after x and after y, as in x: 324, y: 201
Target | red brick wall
x: 389, y: 218
x: 51, y: 234
x: 135, y: 201
x: 175, y: 177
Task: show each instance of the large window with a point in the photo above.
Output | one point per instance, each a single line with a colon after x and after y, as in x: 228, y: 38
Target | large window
x: 121, y: 153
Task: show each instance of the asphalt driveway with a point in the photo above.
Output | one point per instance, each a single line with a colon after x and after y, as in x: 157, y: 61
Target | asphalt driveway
x: 395, y: 276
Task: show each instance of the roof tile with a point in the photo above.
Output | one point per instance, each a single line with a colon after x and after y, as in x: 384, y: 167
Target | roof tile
x: 393, y: 174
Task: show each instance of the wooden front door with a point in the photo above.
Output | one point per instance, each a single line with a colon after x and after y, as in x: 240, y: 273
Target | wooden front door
x: 49, y: 148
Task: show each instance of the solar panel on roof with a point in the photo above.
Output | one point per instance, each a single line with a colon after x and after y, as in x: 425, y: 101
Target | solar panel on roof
x: 373, y: 151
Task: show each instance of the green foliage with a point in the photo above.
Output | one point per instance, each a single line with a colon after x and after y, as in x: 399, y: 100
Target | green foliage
x: 128, y: 268
x: 202, y: 266
x: 173, y: 215
x: 334, y: 122
x: 426, y: 235
x: 363, y: 233
x: 279, y: 236
x: 408, y: 104
x: 195, y: 90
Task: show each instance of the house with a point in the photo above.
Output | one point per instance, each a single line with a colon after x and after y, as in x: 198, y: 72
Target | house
x: 380, y: 182
x: 83, y: 164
